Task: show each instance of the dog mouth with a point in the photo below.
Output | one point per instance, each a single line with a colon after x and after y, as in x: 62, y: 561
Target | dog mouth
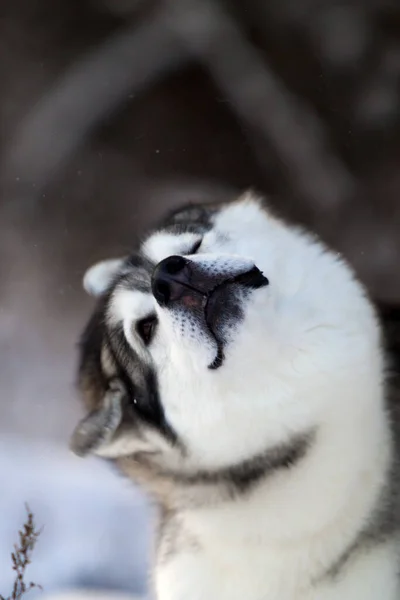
x: 221, y: 299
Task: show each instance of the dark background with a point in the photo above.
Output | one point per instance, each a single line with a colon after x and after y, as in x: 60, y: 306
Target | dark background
x: 112, y: 111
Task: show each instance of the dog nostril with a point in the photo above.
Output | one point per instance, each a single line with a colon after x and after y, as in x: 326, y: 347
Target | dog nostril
x: 161, y: 292
x: 174, y: 264
x: 169, y: 279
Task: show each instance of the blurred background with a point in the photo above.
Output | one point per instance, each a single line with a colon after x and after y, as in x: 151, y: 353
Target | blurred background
x: 113, y: 111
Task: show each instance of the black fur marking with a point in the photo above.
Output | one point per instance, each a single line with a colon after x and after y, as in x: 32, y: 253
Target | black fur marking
x: 252, y: 279
x: 240, y: 479
x: 140, y: 382
x: 220, y: 357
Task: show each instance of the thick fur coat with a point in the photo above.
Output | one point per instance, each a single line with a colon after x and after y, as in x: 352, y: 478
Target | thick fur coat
x: 237, y: 370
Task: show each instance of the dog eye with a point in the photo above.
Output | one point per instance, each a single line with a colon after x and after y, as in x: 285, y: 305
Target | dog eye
x: 196, y: 246
x: 146, y: 328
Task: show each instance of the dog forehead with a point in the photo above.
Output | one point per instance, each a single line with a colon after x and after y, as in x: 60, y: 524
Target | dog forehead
x: 164, y: 243
x: 180, y: 230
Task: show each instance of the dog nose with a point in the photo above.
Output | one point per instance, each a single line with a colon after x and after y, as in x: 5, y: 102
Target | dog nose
x: 170, y: 280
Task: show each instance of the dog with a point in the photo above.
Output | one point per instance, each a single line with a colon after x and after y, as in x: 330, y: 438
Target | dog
x: 236, y: 369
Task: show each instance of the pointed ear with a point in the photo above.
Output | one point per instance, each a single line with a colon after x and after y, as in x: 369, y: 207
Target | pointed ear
x: 98, y: 278
x: 98, y: 428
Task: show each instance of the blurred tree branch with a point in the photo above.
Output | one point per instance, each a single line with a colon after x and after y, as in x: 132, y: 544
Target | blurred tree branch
x: 313, y: 88
x: 90, y: 90
x: 262, y: 102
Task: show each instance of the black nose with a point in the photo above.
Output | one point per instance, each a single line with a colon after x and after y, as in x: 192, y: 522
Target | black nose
x: 170, y: 279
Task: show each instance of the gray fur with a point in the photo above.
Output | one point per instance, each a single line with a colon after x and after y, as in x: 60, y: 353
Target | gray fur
x: 179, y: 491
x: 173, y: 538
x: 105, y: 355
x: 384, y: 523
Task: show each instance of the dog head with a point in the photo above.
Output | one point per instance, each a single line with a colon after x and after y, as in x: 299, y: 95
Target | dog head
x: 224, y: 341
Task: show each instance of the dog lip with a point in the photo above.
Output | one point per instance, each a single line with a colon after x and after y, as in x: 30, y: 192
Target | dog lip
x: 252, y: 279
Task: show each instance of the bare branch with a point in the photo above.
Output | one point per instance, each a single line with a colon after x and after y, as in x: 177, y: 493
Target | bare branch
x: 21, y: 558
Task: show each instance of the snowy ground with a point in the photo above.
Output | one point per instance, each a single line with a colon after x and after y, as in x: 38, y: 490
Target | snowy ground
x: 95, y: 526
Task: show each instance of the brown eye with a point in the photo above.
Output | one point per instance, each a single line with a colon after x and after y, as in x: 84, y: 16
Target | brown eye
x: 146, y: 328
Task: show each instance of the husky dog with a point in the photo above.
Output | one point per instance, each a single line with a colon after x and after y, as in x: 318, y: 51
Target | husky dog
x: 235, y: 369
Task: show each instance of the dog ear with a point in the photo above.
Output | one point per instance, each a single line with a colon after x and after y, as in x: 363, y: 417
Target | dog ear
x: 98, y: 278
x: 97, y: 429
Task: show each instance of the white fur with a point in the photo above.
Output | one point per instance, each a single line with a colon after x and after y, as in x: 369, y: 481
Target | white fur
x: 307, y: 356
x: 97, y: 279
x: 161, y: 245
x: 128, y: 307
